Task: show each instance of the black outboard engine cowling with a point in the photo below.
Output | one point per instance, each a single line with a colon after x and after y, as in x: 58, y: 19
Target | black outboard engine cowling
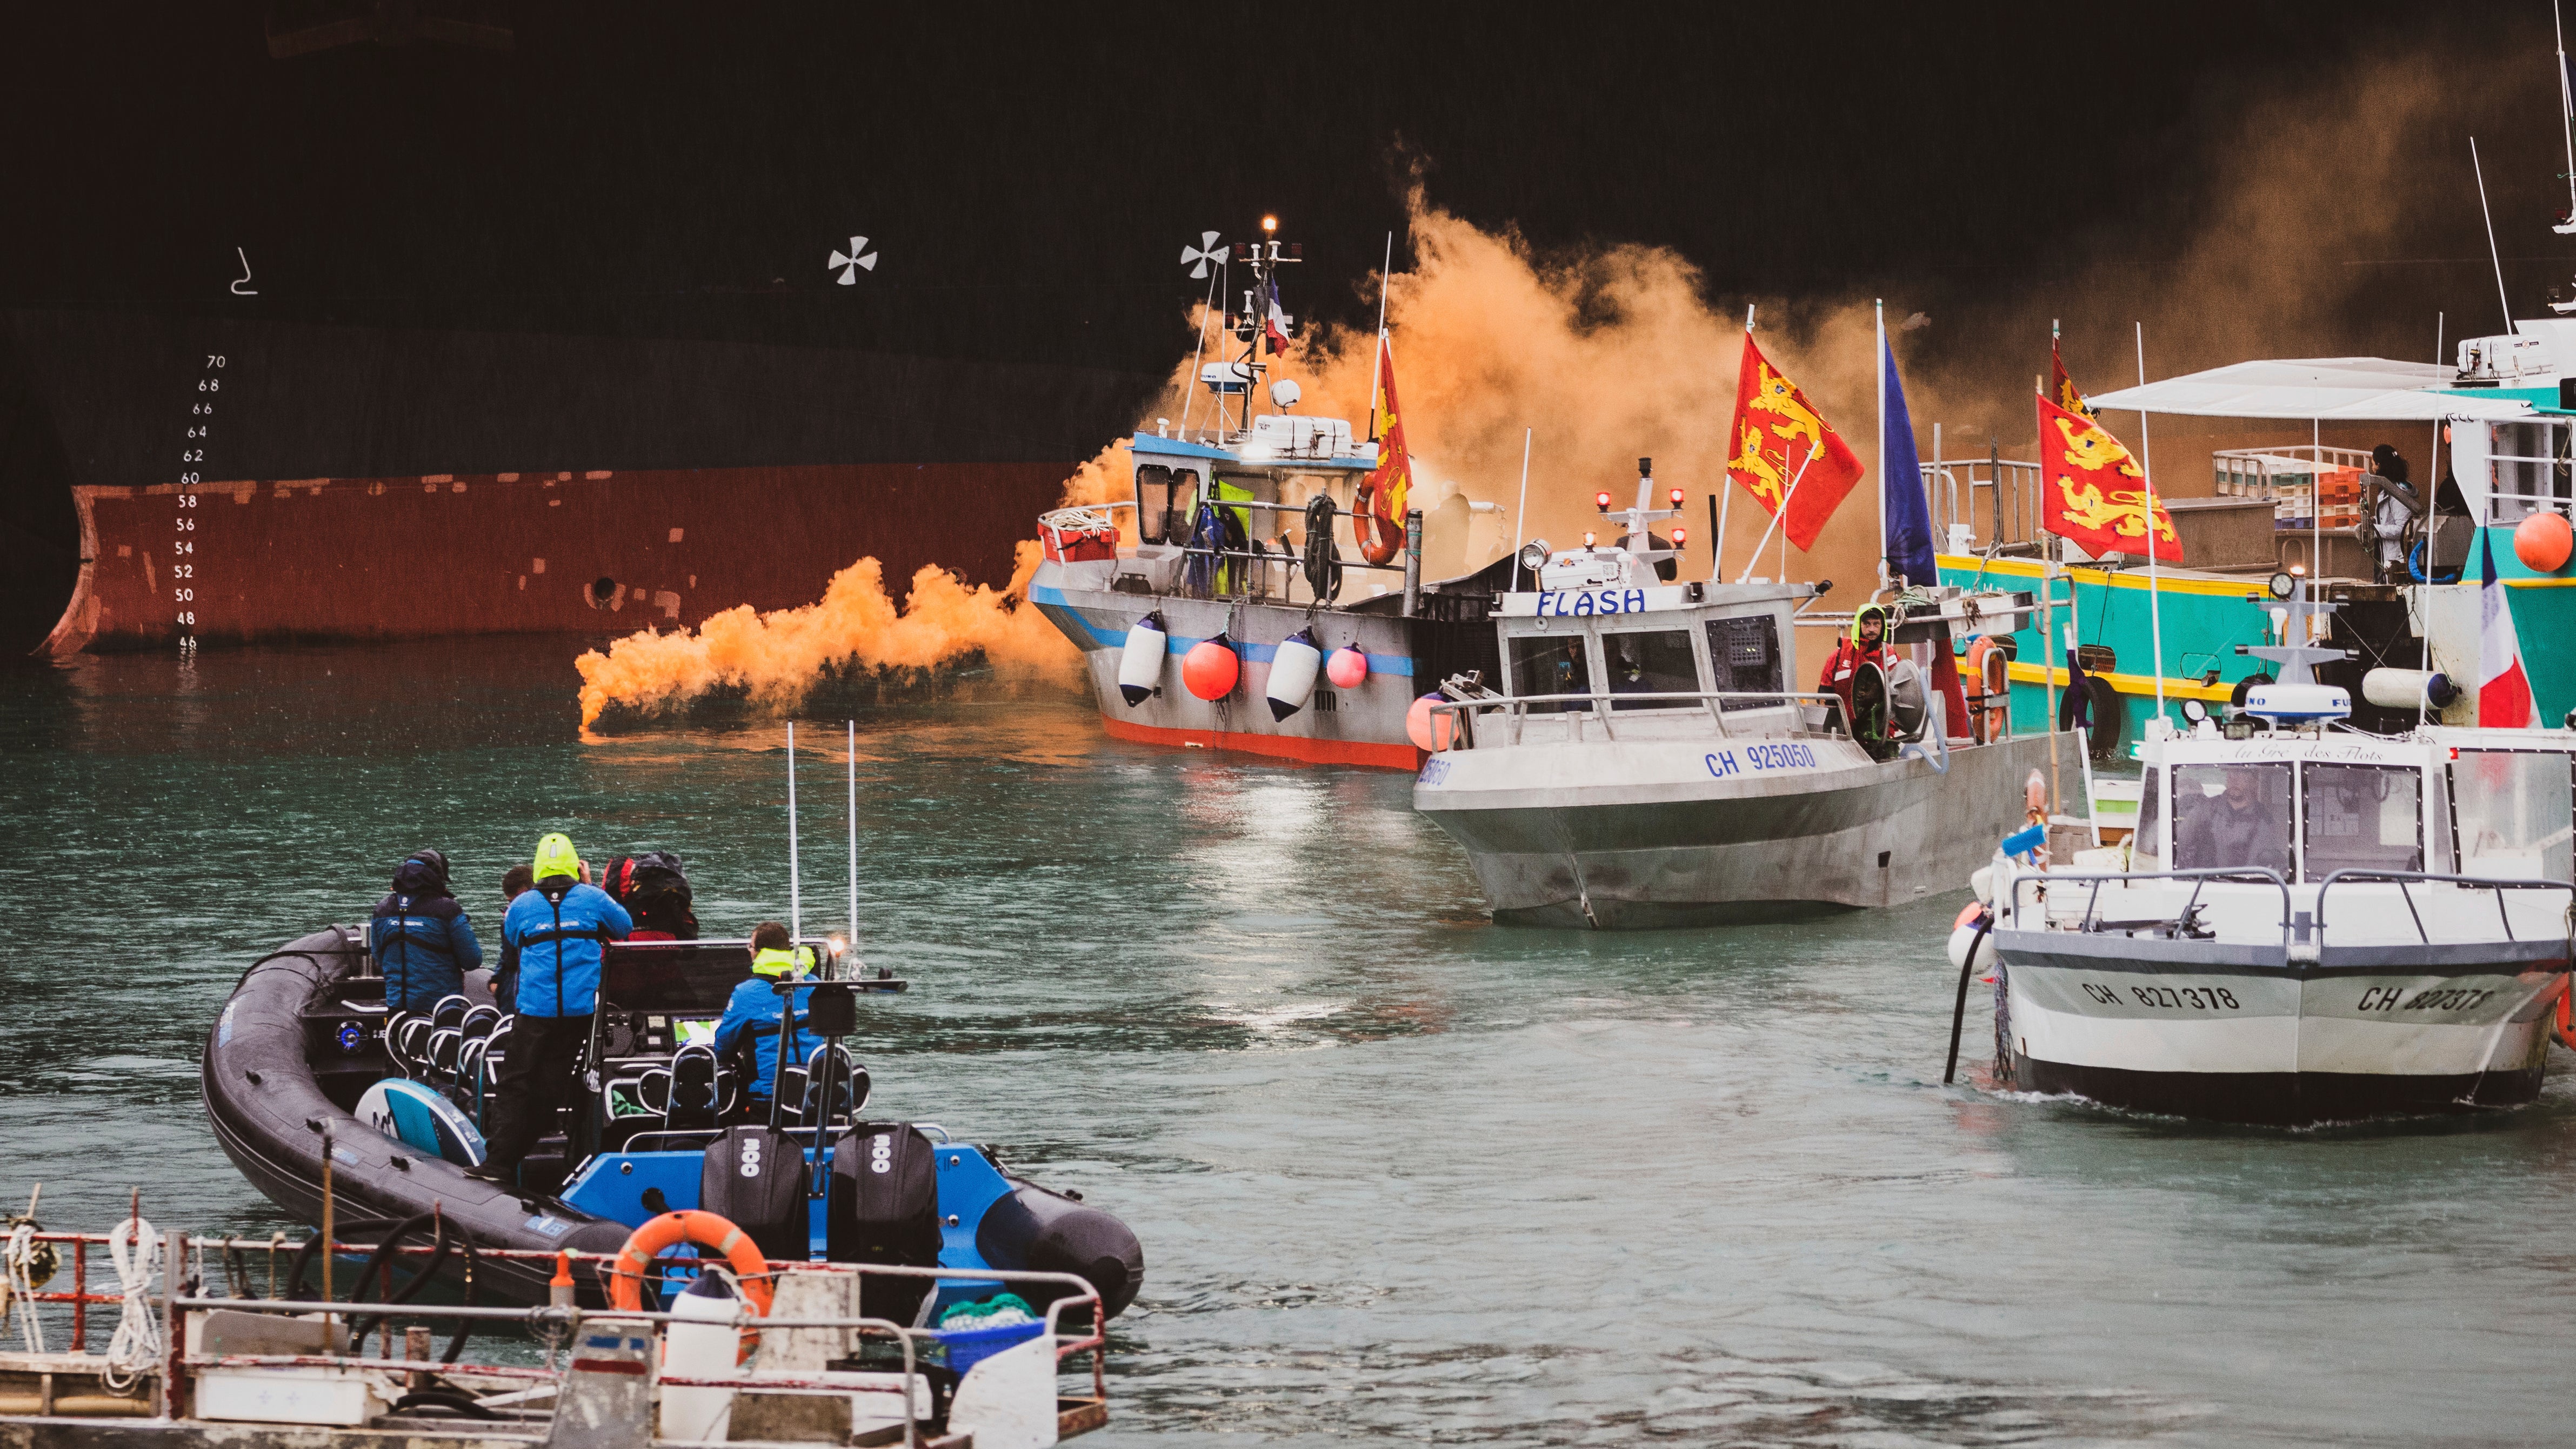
x: 754, y: 1178
x: 884, y: 1208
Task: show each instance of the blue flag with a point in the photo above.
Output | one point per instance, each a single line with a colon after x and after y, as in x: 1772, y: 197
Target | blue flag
x: 1909, y: 518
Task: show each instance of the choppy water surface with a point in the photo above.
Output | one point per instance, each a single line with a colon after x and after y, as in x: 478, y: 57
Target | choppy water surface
x: 1399, y: 1173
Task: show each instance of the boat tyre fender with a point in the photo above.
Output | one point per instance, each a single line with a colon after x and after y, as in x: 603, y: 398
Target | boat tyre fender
x: 1323, y: 562
x: 1959, y: 1011
x: 1048, y: 1231
x: 687, y: 1225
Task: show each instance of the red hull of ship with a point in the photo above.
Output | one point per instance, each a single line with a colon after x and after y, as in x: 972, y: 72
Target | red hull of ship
x: 597, y: 552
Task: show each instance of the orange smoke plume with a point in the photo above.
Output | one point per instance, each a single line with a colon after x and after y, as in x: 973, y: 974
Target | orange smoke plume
x: 777, y: 657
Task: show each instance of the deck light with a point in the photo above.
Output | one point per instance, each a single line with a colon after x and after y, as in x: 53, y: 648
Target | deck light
x: 1534, y: 554
x: 1677, y: 498
x: 1601, y: 501
x: 1270, y: 223
x: 1680, y: 536
x: 1587, y: 540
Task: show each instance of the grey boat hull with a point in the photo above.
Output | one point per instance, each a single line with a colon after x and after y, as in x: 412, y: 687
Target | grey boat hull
x: 1625, y: 836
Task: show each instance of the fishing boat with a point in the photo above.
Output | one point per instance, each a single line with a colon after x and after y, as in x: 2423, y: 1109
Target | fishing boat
x: 2310, y: 923
x: 1646, y: 763
x: 1264, y: 606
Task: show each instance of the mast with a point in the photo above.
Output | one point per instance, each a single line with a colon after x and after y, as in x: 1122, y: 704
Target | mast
x: 2155, y: 606
x: 795, y: 882
x: 2566, y: 115
x: 1377, y: 349
x: 1878, y: 365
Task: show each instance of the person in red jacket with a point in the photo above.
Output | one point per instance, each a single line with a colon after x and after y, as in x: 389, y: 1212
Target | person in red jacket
x: 1866, y: 641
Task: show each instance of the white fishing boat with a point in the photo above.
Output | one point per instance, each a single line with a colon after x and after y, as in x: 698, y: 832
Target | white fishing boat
x: 1646, y: 762
x: 2309, y: 924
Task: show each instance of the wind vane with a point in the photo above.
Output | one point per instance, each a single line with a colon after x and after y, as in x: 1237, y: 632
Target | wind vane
x: 848, y: 264
x: 1205, y: 252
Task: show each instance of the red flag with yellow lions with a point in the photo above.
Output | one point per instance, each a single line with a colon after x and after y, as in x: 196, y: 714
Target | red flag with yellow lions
x: 1784, y: 454
x: 2096, y: 493
x: 1378, y: 521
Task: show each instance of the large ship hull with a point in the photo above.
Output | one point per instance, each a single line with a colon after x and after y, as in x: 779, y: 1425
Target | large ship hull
x: 559, y: 552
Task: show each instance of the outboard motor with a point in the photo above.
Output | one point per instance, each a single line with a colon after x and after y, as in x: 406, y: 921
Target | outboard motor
x: 754, y: 1178
x: 884, y: 1208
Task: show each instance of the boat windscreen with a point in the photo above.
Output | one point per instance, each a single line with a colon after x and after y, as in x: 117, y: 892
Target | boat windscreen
x: 2232, y: 817
x: 1550, y: 664
x: 1651, y: 662
x: 2362, y: 817
x: 2513, y: 810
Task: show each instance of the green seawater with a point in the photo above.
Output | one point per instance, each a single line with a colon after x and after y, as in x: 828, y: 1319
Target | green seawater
x: 1399, y: 1174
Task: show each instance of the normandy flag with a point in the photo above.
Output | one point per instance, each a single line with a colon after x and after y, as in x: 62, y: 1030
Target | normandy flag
x: 2504, y: 691
x: 2094, y: 491
x: 1387, y: 491
x: 1784, y: 453
x: 2061, y: 387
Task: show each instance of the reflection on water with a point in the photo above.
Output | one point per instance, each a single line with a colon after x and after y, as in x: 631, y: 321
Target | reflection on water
x: 1398, y: 1173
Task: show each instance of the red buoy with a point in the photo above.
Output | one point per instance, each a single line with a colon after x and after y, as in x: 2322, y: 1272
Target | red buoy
x: 1346, y: 668
x: 1211, y: 667
x: 1431, y: 732
x: 2543, y: 541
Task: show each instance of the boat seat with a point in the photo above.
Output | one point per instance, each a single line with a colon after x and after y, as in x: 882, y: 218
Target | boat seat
x: 850, y: 1088
x: 450, y: 1010
x: 478, y: 1023
x: 441, y: 1051
x: 407, y: 1041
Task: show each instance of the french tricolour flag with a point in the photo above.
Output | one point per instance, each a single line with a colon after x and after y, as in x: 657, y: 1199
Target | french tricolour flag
x: 1275, y: 322
x: 2504, y: 692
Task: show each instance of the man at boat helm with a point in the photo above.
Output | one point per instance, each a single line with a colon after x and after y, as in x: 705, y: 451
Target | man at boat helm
x: 753, y: 1011
x: 556, y: 933
x: 1867, y: 642
x: 2235, y: 830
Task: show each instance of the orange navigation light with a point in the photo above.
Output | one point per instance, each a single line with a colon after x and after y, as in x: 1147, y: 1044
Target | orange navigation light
x: 1270, y: 223
x: 1587, y: 540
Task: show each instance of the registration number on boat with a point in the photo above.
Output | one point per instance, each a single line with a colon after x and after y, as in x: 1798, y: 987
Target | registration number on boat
x: 1584, y: 603
x: 2197, y: 998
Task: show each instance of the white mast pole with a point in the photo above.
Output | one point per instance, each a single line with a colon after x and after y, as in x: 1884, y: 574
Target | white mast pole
x: 2492, y: 254
x: 2155, y: 607
x: 1726, y: 485
x: 795, y: 882
x: 1520, y: 511
x: 1755, y: 561
x: 853, y: 948
x: 2566, y: 109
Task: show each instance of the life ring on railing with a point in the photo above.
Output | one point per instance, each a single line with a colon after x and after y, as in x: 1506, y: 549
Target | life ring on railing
x: 1992, y: 668
x: 688, y: 1225
x: 2562, y: 1026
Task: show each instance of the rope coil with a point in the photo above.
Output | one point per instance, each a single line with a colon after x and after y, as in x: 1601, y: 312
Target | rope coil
x: 23, y: 1256
x: 135, y: 1250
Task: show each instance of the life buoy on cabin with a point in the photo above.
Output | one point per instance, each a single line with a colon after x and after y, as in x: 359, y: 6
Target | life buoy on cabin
x: 1993, y: 670
x: 688, y: 1225
x: 1348, y: 668
x: 1211, y: 668
x: 1140, y: 663
x: 1292, y: 673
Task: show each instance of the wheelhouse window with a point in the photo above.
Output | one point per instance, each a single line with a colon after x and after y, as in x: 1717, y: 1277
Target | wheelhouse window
x: 1551, y: 664
x: 2513, y: 810
x: 1657, y: 662
x: 1745, y: 652
x: 2232, y: 817
x: 1164, y: 498
x: 2362, y: 817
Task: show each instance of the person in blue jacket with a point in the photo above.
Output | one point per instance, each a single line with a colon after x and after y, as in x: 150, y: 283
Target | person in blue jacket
x: 553, y: 937
x: 422, y: 940
x: 753, y: 1011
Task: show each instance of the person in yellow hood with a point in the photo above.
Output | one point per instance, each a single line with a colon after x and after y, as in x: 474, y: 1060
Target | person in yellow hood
x: 1866, y: 643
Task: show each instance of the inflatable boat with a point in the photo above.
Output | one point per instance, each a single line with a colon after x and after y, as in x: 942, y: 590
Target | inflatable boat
x: 306, y: 1062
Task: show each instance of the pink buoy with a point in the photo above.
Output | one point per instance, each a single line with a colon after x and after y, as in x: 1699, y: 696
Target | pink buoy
x: 2543, y: 542
x: 1346, y: 668
x: 1211, y: 667
x: 1431, y: 732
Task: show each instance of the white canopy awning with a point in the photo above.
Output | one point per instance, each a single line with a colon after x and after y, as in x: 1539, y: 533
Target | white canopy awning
x: 2326, y: 389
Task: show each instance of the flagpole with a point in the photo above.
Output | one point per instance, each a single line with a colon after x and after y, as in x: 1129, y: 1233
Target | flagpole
x: 2566, y: 108
x: 1878, y: 307
x: 1378, y: 353
x: 2155, y: 608
x: 1755, y: 562
x: 1520, y: 512
x: 1726, y: 483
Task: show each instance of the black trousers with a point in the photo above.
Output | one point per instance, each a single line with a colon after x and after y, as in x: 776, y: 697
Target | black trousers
x: 538, y: 1070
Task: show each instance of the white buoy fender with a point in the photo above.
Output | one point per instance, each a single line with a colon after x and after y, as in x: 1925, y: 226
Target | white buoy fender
x: 1981, y: 882
x: 707, y: 1344
x: 1292, y: 674
x: 1140, y: 662
x: 1959, y: 939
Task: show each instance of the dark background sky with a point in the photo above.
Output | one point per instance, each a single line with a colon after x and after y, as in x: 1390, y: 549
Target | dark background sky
x: 1031, y: 172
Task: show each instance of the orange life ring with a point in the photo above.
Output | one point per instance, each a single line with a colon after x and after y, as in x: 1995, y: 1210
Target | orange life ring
x: 2564, y: 1027
x: 1988, y: 662
x: 687, y: 1225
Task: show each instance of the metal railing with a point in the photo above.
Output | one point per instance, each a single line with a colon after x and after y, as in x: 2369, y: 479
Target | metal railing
x: 2010, y: 512
x: 2403, y: 878
x: 2302, y: 929
x: 1607, y: 704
